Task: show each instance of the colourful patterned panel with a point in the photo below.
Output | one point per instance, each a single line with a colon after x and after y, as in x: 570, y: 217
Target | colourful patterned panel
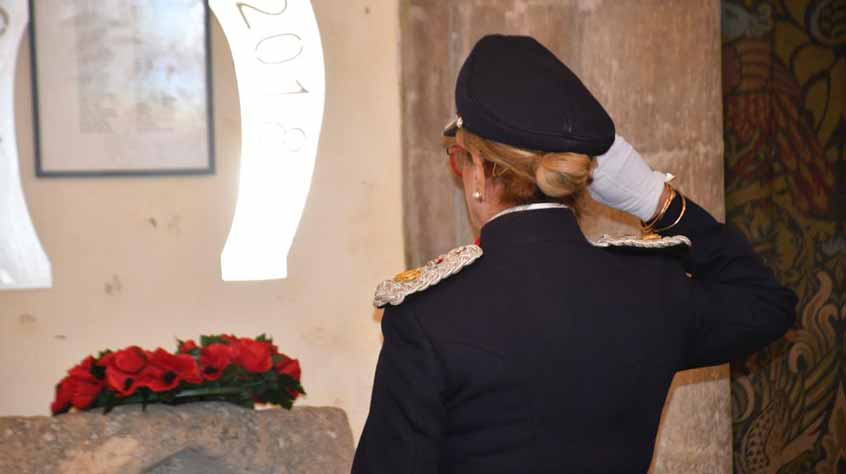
x: 784, y: 92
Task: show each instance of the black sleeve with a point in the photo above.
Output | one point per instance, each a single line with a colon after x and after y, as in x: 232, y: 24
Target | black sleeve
x: 735, y: 304
x: 403, y: 430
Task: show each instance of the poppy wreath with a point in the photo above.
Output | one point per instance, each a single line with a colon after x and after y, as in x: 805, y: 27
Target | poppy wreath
x: 222, y: 367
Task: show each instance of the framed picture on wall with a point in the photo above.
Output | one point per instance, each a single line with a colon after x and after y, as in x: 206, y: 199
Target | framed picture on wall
x: 121, y: 88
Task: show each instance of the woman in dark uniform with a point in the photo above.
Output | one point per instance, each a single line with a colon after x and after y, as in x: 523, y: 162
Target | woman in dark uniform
x: 538, y: 351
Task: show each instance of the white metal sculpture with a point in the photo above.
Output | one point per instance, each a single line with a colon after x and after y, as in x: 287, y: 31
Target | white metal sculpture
x: 23, y: 263
x: 278, y: 61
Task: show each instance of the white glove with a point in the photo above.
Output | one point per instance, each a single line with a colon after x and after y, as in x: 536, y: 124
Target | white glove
x: 624, y: 181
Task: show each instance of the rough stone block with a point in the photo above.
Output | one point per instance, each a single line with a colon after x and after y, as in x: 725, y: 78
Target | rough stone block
x: 194, y: 438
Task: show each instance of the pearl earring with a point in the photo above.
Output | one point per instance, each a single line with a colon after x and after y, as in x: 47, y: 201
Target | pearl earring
x: 477, y: 196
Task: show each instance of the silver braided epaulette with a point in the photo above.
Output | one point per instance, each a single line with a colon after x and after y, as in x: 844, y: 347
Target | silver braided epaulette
x: 650, y: 242
x: 395, y: 290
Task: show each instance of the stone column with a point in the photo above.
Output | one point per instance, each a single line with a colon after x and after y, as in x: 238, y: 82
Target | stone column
x: 655, y: 64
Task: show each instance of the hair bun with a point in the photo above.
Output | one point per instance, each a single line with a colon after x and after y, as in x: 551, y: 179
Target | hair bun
x: 562, y: 174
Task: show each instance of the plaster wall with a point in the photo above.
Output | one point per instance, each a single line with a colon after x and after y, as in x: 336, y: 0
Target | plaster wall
x: 136, y: 261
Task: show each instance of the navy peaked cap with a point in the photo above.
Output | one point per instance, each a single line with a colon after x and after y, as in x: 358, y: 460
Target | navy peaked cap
x: 513, y: 90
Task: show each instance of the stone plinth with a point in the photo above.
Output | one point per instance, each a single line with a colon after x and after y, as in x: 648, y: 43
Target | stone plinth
x: 195, y: 438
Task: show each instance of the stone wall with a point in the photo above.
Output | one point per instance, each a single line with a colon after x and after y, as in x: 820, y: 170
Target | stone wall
x: 197, y: 438
x: 655, y: 64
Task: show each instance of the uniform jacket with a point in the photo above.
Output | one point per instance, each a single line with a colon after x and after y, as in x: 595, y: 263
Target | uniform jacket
x: 549, y: 355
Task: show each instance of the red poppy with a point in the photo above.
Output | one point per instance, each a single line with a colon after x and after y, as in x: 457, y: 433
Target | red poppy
x: 187, y: 346
x: 168, y: 370
x: 79, y: 389
x: 64, y: 395
x: 125, y: 369
x: 86, y: 392
x: 289, y: 367
x: 214, y: 359
x: 253, y: 356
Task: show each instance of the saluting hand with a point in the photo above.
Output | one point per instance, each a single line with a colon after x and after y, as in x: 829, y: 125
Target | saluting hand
x: 624, y: 181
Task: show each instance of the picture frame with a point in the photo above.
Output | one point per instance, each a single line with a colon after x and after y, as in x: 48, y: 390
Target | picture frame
x: 121, y: 88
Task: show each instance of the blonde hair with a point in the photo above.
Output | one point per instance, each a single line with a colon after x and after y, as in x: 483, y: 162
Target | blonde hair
x: 532, y: 176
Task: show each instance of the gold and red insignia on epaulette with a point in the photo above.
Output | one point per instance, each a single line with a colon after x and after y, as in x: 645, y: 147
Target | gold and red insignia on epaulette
x: 395, y: 290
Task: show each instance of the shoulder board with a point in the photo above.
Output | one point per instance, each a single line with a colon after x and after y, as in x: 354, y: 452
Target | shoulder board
x: 652, y: 241
x: 395, y: 290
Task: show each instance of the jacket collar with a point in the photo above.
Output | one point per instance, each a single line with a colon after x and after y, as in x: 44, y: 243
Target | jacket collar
x: 530, y: 226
